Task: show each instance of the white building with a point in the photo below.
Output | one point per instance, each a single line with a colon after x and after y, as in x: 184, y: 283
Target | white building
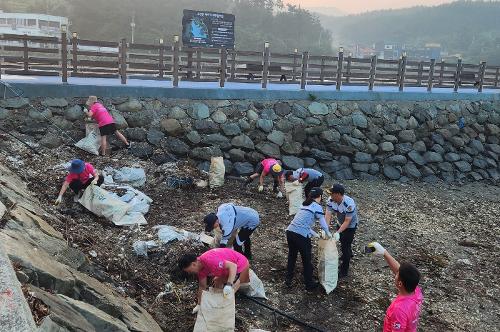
x: 31, y: 24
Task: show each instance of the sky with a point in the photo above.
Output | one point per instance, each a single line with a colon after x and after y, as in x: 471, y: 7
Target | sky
x: 359, y: 6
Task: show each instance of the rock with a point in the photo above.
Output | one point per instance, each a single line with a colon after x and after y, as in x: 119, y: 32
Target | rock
x: 333, y: 166
x: 242, y: 141
x: 432, y: 179
x: 237, y: 155
x: 135, y: 134
x: 206, y: 126
x: 284, y: 125
x: 359, y: 120
x: 205, y: 153
x: 171, y: 127
x: 446, y: 167
x: 54, y: 102
x: 374, y: 168
x: 199, y: 111
x: 432, y: 157
x: 204, y: 166
x: 396, y: 160
x: 224, y: 103
x: 316, y: 108
x: 457, y: 141
x: 133, y: 105
x: 356, y: 133
x: 416, y: 158
x: 40, y: 116
x: 120, y: 121
x: 282, y: 109
x: 300, y: 111
x: 344, y: 174
x: 193, y: 137
x: 403, y: 148
x: 243, y: 169
x: 391, y: 138
x: 313, y: 131
x: 252, y: 115
x: 407, y: 136
x: 321, y: 155
x: 476, y: 145
x: 265, y: 125
x: 452, y: 156
x: 493, y: 174
x: 177, y: 113
x: 268, y: 114
x: 419, y: 146
x: 154, y: 136
x: 309, y: 162
x: 465, y: 157
x: 277, y: 137
x: 438, y: 149
x: 479, y: 163
x: 354, y: 142
x: 437, y: 138
x: 141, y: 150
x: 4, y: 114
x: 292, y: 162
x: 74, y: 113
x: 411, y: 170
x: 448, y: 177
x: 463, y: 166
x: 219, y: 117
x: 491, y: 129
x: 386, y: 147
x: 291, y: 147
x: 493, y: 148
x: 162, y: 158
x: 330, y: 136
x: 228, y: 165
x: 217, y: 140
x: 258, y: 105
x: 269, y: 149
x: 367, y: 177
x: 391, y: 172
x: 371, y: 148
x: 362, y: 157
x: 61, y: 123
x: 412, y: 123
x: 14, y: 103
x: 361, y: 167
x: 231, y: 129
x: 140, y: 119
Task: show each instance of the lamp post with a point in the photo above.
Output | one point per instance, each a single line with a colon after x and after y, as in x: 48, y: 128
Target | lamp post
x: 132, y: 25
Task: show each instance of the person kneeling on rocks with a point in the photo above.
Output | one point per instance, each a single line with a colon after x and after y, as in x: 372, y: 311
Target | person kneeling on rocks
x: 81, y: 175
x: 266, y: 167
x: 404, y: 312
x: 313, y: 177
x: 231, y: 217
x: 228, y: 268
x: 105, y: 121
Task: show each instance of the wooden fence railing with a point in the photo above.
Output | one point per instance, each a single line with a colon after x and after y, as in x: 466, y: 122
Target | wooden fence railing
x: 70, y: 56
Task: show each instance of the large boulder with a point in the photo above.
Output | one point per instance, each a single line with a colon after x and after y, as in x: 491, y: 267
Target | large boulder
x: 396, y: 160
x: 219, y: 117
x: 217, y: 140
x: 193, y: 137
x: 359, y: 120
x: 236, y: 155
x: 154, y: 136
x: 176, y: 146
x: 276, y: 137
x: 74, y: 113
x: 199, y: 111
x: 140, y: 119
x: 242, y: 141
x: 292, y: 162
x: 392, y: 172
x: 291, y: 147
x: 386, y: 147
x: 206, y: 126
x: 136, y: 134
x: 231, y: 129
x: 177, y: 113
x: 120, y: 121
x: 412, y: 171
x: 15, y: 103
x: 416, y: 158
x: 318, y: 108
x: 171, y: 127
x: 282, y: 108
x: 132, y: 105
x: 330, y: 136
x: 407, y: 136
x: 362, y: 157
x: 205, y: 153
x: 141, y: 150
x: 269, y: 149
x: 463, y: 166
x: 432, y: 157
x: 243, y: 168
x: 265, y: 125
x: 451, y: 156
x: 55, y: 102
x: 321, y: 155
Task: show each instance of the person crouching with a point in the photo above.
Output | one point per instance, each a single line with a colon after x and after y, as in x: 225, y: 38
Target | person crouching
x: 81, y: 175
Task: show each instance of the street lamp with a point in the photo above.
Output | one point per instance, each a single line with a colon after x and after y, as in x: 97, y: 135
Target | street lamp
x: 132, y: 25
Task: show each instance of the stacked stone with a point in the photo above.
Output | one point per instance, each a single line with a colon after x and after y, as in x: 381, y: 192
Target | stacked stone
x: 403, y: 141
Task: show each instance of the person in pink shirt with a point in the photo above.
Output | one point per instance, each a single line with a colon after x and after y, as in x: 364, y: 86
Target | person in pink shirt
x: 227, y: 268
x: 404, y: 311
x: 273, y: 167
x: 105, y: 121
x: 81, y: 175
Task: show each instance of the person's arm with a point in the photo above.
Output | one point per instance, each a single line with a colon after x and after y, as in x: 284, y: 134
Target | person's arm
x: 261, y: 178
x: 202, y: 285
x: 282, y: 183
x: 345, y: 224
x: 393, y: 263
x: 303, y: 177
x: 64, y: 187
x: 328, y: 216
x: 323, y: 224
x: 231, y: 268
x: 225, y: 237
x: 96, y: 176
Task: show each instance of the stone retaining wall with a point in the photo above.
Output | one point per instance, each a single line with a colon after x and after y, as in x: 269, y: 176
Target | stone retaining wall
x: 429, y: 141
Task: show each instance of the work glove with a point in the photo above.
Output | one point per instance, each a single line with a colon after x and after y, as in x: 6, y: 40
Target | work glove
x: 227, y: 291
x: 58, y: 200
x: 85, y: 110
x: 377, y: 248
x: 296, y: 183
x: 94, y: 181
x: 279, y: 195
x: 314, y: 234
x: 196, y: 309
x: 336, y: 236
x: 261, y: 189
x: 328, y: 235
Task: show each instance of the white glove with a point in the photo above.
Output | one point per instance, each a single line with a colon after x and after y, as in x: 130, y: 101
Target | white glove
x: 196, y: 309
x: 279, y: 195
x: 328, y: 235
x: 85, y: 110
x: 261, y: 189
x: 378, y: 249
x: 227, y: 291
x: 94, y: 181
x: 336, y: 236
x: 296, y: 183
x: 58, y: 200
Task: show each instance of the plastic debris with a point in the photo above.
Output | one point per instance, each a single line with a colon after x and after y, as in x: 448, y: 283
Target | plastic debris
x: 135, y: 177
x: 168, y: 234
x: 141, y: 247
x: 176, y: 182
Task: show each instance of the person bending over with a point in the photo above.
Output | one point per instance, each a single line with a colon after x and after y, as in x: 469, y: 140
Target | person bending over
x: 81, y: 175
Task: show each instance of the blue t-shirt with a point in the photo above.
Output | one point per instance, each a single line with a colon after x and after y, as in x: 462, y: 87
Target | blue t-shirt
x: 346, y: 208
x: 304, y: 220
x: 232, y: 217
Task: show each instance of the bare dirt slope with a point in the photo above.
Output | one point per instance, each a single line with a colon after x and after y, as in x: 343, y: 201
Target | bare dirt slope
x: 450, y: 232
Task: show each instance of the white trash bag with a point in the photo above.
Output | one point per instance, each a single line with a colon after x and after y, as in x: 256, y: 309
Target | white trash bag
x: 217, y: 172
x: 294, y: 196
x: 135, y: 177
x: 92, y: 140
x: 328, y: 264
x: 255, y: 288
x: 216, y: 314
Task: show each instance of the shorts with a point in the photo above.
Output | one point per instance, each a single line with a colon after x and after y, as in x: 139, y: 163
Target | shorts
x: 107, y: 129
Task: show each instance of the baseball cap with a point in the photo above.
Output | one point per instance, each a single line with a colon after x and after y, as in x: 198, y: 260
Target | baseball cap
x: 315, y: 192
x: 77, y: 166
x: 209, y: 221
x: 337, y: 189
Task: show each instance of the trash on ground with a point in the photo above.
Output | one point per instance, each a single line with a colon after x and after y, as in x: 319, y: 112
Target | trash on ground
x: 176, y: 182
x: 217, y: 172
x: 168, y: 234
x: 255, y: 288
x: 135, y: 177
x: 141, y: 247
x: 92, y: 140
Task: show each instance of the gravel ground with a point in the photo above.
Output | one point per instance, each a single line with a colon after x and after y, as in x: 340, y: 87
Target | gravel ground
x: 451, y: 233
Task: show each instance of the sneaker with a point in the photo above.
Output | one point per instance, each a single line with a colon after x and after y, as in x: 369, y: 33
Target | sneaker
x: 312, y: 286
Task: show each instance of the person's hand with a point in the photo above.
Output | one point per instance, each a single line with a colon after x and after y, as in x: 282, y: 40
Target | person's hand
x: 336, y: 236
x: 261, y: 188
x: 228, y: 289
x: 196, y: 309
x: 279, y: 195
x: 94, y: 182
x: 328, y: 235
x: 58, y: 200
x: 377, y: 248
x: 85, y: 110
x: 296, y: 183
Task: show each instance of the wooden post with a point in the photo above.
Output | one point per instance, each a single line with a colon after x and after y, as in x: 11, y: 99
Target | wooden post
x: 161, y: 54
x: 198, y: 64
x: 123, y: 61
x: 420, y: 73
x: 348, y: 68
x: 74, y: 61
x: 322, y: 70
x: 402, y: 72
x: 340, y: 62
x: 398, y: 76
x: 482, y: 69
x: 265, y: 65
x: 233, y: 65
x: 430, y: 80
x: 64, y: 55
x: 303, y: 76
x: 373, y: 70
x: 175, y: 63
x: 294, y: 69
x: 441, y: 74
x: 497, y: 77
x: 458, y: 73
x: 223, y: 67
x: 189, y: 73
x: 25, y: 54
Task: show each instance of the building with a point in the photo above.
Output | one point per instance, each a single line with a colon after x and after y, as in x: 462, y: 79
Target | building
x: 31, y: 24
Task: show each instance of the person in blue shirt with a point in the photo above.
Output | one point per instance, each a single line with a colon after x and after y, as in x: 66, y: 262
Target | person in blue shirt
x: 230, y: 217
x: 299, y: 233
x: 346, y: 212
x: 313, y: 178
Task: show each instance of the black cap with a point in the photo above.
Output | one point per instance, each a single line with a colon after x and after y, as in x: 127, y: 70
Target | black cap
x: 337, y: 189
x: 315, y: 193
x: 209, y: 221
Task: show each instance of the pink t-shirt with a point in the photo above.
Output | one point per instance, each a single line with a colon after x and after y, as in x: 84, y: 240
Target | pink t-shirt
x: 403, y: 313
x: 101, y: 115
x: 84, y: 176
x: 214, y: 259
x: 267, y: 164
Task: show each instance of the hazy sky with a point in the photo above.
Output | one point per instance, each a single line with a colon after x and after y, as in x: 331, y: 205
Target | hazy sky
x: 357, y: 6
